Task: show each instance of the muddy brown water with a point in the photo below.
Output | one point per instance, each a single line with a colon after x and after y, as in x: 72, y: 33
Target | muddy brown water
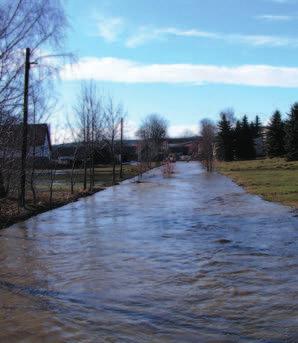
x: 191, y: 258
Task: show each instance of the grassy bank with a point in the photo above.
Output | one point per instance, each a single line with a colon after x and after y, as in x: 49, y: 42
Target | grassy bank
x: 10, y: 212
x: 273, y: 179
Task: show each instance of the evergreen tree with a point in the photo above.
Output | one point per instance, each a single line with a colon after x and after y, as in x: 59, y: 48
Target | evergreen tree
x: 257, y: 127
x: 237, y: 141
x: 244, y: 140
x: 276, y: 136
x: 252, y: 129
x: 225, y: 139
x: 292, y: 134
x: 247, y: 140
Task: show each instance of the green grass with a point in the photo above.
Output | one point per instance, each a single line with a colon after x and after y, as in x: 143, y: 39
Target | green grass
x: 273, y: 179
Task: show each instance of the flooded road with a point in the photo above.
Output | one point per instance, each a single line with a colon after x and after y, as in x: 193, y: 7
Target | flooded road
x: 191, y: 258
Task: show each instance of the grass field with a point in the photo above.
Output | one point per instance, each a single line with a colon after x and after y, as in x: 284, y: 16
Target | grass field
x: 273, y: 179
x: 102, y: 177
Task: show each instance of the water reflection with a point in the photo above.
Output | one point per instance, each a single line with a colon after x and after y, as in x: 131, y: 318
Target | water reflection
x: 188, y: 258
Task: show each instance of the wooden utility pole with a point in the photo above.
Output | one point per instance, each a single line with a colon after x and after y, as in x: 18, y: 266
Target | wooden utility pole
x: 25, y: 131
x: 121, y: 149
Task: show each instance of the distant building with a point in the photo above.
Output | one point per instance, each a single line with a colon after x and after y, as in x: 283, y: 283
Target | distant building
x: 189, y: 146
x: 66, y: 154
x: 39, y: 142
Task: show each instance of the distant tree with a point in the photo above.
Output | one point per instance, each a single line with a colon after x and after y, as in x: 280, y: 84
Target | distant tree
x: 248, y: 145
x: 276, y: 136
x: 230, y: 116
x: 89, y: 114
x: 292, y: 134
x: 152, y: 134
x: 256, y: 127
x: 244, y: 140
x: 225, y: 139
x: 187, y: 133
x: 237, y: 141
x: 113, y: 113
x: 208, y: 136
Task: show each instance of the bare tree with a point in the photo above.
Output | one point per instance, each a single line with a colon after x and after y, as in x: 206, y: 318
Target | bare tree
x: 36, y: 24
x: 208, y: 135
x: 152, y: 133
x: 112, y: 127
x: 7, y: 167
x: 25, y: 23
x: 32, y: 23
x: 90, y: 115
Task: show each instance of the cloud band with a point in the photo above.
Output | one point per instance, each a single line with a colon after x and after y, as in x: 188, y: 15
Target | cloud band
x: 127, y: 71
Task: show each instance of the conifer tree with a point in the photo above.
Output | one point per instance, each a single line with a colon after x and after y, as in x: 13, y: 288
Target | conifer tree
x: 244, y: 140
x: 237, y: 141
x: 292, y: 134
x: 225, y: 139
x: 257, y: 127
x: 247, y: 140
x: 276, y: 136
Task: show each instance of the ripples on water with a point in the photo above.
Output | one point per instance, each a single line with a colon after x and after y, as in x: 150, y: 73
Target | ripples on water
x: 190, y: 258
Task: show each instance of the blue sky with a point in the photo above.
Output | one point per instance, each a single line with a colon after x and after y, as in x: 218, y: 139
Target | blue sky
x: 185, y: 59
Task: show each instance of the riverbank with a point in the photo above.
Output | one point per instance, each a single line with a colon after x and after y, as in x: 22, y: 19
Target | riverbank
x: 273, y: 179
x: 11, y: 213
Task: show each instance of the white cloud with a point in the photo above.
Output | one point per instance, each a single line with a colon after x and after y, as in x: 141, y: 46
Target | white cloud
x: 282, y: 1
x: 145, y: 34
x: 180, y: 130
x: 112, y: 28
x: 109, y: 28
x: 127, y: 71
x: 130, y: 129
x: 272, y: 17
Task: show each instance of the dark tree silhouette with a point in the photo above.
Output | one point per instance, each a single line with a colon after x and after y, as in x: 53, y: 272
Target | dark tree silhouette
x: 225, y: 139
x: 276, y: 136
x: 292, y: 134
x: 244, y: 140
x: 256, y: 127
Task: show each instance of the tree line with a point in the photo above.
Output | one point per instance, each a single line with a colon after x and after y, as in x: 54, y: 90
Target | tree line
x: 238, y: 139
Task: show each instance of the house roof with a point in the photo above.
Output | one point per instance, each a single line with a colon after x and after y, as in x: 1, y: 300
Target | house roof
x: 37, y: 133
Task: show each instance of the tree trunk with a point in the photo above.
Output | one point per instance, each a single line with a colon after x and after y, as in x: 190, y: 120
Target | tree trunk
x: 114, y: 163
x: 2, y: 188
x: 92, y: 171
x: 114, y: 169
x: 85, y: 170
x: 32, y: 179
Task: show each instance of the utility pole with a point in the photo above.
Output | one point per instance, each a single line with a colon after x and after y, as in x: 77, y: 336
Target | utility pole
x: 25, y: 131
x: 121, y: 149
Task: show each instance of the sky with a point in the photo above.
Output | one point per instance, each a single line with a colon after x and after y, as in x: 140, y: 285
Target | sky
x: 184, y: 59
